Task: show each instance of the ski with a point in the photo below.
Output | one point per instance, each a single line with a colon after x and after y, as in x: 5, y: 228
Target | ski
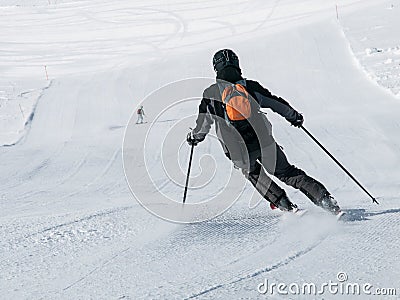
x: 340, y: 216
x: 300, y: 212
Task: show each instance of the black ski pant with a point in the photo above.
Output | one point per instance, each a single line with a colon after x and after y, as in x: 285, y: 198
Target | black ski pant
x: 272, y: 159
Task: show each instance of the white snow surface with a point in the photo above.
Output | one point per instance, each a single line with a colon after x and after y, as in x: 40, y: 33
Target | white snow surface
x: 70, y: 227
x: 373, y: 34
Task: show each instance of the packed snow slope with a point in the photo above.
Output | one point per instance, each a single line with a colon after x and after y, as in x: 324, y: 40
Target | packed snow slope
x: 70, y: 227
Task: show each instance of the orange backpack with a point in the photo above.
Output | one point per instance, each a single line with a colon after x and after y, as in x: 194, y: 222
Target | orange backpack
x: 237, y: 103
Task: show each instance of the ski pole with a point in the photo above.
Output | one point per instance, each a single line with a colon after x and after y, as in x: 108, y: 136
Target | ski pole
x: 188, y: 173
x: 339, y: 164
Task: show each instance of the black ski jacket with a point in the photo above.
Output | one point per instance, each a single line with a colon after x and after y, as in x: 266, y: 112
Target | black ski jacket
x: 254, y: 133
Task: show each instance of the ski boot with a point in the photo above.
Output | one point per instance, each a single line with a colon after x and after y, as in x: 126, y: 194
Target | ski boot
x: 328, y: 203
x: 284, y: 204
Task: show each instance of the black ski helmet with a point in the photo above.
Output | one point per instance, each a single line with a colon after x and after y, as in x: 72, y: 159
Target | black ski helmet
x: 224, y: 58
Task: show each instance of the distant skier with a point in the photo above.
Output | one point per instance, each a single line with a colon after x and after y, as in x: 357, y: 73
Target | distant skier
x: 234, y: 103
x: 140, y: 114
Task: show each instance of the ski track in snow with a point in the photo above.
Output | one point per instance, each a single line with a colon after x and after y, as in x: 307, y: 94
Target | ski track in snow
x: 70, y: 228
x: 257, y: 273
x: 267, y: 227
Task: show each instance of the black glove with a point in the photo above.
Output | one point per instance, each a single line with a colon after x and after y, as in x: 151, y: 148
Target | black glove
x: 299, y: 121
x: 192, y: 141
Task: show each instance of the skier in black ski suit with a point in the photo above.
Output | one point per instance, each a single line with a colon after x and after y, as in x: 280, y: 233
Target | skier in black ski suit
x: 250, y: 145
